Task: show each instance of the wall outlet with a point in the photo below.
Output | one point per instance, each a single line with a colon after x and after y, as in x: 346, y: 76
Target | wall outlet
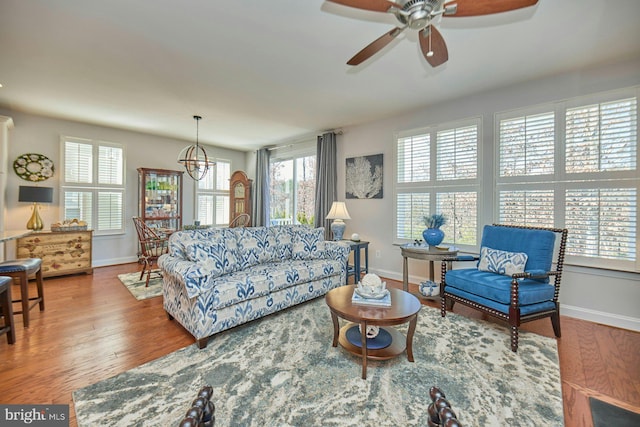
x: 378, y: 253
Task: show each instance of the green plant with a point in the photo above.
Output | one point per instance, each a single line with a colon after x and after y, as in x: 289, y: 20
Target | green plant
x: 435, y: 221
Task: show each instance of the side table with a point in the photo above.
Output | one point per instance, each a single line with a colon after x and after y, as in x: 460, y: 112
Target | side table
x: 423, y: 252
x: 404, y: 309
x: 356, y: 269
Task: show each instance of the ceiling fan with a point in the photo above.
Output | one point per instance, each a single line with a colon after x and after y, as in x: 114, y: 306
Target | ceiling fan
x: 419, y: 15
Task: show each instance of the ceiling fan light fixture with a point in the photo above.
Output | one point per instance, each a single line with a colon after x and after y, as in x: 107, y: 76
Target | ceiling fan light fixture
x: 194, y: 158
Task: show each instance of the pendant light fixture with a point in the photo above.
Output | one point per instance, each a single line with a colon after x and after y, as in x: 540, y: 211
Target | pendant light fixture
x: 194, y: 158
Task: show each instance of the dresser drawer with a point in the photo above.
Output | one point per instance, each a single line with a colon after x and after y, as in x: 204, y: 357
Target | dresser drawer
x: 64, y: 252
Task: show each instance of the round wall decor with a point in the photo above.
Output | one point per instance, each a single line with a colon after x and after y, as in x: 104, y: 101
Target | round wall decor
x: 33, y: 167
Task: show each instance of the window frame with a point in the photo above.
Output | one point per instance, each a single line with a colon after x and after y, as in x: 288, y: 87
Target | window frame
x: 216, y: 191
x: 561, y: 181
x: 293, y: 153
x: 435, y: 188
x: 95, y: 188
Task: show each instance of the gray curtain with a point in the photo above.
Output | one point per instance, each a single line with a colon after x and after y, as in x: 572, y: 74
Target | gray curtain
x: 261, y: 192
x: 326, y: 180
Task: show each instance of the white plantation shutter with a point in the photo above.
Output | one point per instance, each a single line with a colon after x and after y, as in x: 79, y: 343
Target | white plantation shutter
x: 530, y: 207
x: 222, y: 209
x: 212, y: 196
x: 457, y: 153
x: 205, y: 207
x: 110, y: 210
x: 527, y: 145
x: 110, y: 165
x: 223, y: 173
x: 461, y: 211
x: 413, y: 158
x: 594, y: 191
x: 93, y: 187
x: 411, y: 210
x: 452, y: 190
x: 78, y: 204
x: 602, y: 137
x: 78, y: 162
x: 602, y: 223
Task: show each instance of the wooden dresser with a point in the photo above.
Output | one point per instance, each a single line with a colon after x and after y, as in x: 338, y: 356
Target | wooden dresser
x: 62, y: 252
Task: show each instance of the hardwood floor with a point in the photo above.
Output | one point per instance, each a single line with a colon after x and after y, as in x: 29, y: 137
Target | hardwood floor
x: 92, y: 329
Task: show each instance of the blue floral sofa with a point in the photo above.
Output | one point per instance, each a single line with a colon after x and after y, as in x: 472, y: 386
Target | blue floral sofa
x: 216, y: 279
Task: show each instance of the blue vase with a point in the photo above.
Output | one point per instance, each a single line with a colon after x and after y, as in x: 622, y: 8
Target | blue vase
x: 433, y: 236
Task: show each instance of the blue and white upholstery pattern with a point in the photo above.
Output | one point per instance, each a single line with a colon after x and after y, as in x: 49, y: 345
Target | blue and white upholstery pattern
x: 217, y: 279
x: 502, y: 262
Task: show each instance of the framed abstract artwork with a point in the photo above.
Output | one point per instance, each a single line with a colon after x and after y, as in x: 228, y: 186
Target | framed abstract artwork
x: 364, y: 177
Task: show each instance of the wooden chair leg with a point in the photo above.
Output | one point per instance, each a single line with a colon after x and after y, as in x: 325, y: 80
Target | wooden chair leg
x: 40, y: 289
x: 7, y: 313
x: 144, y: 267
x: 24, y: 295
x: 555, y: 322
x: 514, y: 338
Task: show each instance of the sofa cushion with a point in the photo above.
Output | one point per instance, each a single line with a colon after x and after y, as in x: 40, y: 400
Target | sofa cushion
x: 502, y: 262
x: 216, y: 254
x: 266, y: 278
x: 256, y: 245
x: 308, y: 243
x: 284, y: 241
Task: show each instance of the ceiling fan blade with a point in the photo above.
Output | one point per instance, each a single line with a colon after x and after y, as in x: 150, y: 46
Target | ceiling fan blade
x: 375, y: 5
x: 438, y: 47
x: 487, y: 7
x: 374, y: 46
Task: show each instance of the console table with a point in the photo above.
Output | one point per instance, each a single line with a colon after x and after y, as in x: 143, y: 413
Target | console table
x: 62, y: 252
x: 423, y: 252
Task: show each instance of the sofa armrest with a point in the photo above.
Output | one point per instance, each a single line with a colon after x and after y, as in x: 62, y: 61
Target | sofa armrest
x: 337, y: 250
x: 192, y: 275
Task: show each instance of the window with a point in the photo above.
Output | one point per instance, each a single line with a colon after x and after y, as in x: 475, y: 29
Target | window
x: 293, y: 185
x: 93, y: 185
x: 212, y: 195
x: 574, y: 165
x: 437, y: 172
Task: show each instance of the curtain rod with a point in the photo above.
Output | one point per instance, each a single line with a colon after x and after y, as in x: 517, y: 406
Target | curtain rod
x: 277, y: 147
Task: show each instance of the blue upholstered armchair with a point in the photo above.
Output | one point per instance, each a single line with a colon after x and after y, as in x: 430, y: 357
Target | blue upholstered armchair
x: 515, y: 278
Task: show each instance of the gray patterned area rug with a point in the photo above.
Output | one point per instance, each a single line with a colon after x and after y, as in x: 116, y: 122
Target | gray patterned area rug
x: 138, y: 287
x: 282, y: 371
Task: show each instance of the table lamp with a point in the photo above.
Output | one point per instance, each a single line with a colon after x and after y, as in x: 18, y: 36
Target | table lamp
x: 337, y: 213
x: 35, y: 195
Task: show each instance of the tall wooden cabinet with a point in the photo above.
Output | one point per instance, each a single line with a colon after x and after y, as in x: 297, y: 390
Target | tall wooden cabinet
x: 160, y: 198
x: 240, y: 197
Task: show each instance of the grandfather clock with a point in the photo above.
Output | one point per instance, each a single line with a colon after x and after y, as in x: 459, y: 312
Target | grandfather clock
x: 240, y: 199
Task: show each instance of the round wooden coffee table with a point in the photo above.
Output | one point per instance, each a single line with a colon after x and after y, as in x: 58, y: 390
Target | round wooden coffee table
x: 404, y: 308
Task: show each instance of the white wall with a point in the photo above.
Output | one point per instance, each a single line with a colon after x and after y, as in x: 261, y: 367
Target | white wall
x: 36, y: 134
x: 598, y: 295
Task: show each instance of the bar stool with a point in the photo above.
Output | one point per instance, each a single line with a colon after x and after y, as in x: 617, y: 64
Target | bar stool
x: 21, y: 269
x: 7, y: 310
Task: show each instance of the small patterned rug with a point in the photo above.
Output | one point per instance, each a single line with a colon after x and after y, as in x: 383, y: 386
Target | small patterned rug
x: 137, y: 287
x: 282, y: 371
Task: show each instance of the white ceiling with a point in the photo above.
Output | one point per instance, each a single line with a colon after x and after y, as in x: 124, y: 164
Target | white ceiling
x: 266, y: 71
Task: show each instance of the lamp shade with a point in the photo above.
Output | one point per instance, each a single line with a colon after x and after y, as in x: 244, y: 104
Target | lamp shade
x: 35, y: 194
x: 338, y: 211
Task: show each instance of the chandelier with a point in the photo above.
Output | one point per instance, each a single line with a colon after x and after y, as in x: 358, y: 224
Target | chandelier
x: 194, y: 158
